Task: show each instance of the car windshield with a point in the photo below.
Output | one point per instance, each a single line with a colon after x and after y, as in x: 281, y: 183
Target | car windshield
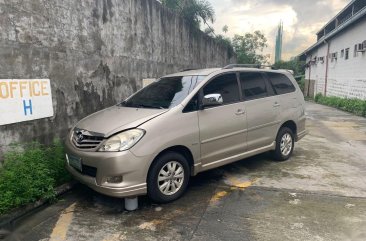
x: 164, y: 93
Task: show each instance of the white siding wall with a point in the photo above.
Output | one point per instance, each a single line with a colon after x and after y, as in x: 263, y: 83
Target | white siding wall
x: 346, y: 78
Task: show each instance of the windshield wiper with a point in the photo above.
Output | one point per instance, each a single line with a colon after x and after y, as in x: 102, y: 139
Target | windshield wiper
x: 126, y: 104
x: 149, y: 106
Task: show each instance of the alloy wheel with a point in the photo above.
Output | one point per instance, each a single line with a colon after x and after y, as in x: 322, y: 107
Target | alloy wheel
x: 170, y: 178
x: 286, y: 144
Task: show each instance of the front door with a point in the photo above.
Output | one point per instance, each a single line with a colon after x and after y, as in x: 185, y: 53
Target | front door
x: 223, y: 127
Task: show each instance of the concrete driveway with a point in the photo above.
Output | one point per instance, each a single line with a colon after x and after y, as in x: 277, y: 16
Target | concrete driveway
x: 319, y: 194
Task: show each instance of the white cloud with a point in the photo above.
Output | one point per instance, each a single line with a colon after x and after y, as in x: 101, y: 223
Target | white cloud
x: 301, y: 20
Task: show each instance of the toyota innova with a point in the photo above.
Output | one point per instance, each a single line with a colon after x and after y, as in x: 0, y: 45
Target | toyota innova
x: 183, y: 124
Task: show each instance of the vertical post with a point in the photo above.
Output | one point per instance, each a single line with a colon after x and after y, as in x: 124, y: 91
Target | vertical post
x: 326, y: 69
x: 131, y: 204
x: 311, y: 56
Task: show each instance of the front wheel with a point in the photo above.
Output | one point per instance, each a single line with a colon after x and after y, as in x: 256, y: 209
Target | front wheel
x: 284, y: 144
x: 168, y: 177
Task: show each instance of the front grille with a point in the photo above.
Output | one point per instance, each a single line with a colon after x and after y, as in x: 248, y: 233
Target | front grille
x: 85, y: 141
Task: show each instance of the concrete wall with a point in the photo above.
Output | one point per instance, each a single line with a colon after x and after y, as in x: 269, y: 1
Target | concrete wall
x: 95, y: 52
x: 346, y: 77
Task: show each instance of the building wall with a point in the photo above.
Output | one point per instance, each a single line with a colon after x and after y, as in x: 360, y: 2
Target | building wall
x: 346, y: 78
x: 316, y: 72
x: 95, y: 53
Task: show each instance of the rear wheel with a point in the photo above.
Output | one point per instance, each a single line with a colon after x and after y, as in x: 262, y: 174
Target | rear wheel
x: 284, y: 144
x: 168, y: 177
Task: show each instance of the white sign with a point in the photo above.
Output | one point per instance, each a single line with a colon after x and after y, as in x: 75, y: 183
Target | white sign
x: 24, y: 100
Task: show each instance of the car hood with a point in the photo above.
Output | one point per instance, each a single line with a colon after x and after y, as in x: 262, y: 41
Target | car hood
x: 116, y: 118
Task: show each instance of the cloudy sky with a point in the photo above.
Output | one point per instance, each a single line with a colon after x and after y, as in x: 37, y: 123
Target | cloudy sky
x: 302, y: 19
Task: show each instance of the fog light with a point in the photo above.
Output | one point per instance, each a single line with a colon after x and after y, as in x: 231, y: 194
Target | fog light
x: 115, y: 179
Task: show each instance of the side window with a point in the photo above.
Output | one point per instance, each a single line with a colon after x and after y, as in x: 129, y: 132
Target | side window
x: 281, y: 83
x: 192, y: 105
x: 253, y: 85
x: 226, y: 85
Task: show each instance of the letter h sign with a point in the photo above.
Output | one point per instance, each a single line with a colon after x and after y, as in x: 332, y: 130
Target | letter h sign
x: 27, y: 107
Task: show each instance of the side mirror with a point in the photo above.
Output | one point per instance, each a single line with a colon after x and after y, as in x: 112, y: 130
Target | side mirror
x: 212, y: 100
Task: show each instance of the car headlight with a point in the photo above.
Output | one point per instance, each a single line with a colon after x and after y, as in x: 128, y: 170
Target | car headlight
x: 123, y: 141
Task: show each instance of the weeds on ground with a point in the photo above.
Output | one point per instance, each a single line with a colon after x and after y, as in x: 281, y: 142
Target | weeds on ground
x: 355, y: 106
x: 31, y: 173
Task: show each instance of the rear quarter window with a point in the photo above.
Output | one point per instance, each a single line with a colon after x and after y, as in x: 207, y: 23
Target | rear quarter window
x: 281, y: 83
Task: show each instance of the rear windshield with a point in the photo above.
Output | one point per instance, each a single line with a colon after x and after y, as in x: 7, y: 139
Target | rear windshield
x: 164, y: 93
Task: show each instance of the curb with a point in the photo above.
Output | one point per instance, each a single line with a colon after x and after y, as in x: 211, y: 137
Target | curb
x: 8, y: 220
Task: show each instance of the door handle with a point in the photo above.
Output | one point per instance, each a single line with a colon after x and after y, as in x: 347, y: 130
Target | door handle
x: 240, y: 112
x: 276, y: 104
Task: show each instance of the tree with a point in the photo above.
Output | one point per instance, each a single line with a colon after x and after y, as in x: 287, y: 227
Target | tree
x: 209, y: 32
x: 194, y: 11
x: 249, y: 48
x: 295, y: 65
x: 225, y: 29
x: 224, y: 40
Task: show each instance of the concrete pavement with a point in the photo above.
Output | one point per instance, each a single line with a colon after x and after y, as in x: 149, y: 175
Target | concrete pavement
x: 319, y: 194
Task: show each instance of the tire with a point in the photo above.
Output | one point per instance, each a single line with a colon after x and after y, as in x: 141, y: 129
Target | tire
x: 163, y: 167
x: 285, y: 137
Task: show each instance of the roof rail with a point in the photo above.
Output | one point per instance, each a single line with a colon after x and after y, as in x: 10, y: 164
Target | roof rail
x: 288, y: 70
x: 257, y: 66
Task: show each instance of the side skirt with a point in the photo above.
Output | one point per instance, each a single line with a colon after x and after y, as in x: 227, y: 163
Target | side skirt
x: 198, y: 167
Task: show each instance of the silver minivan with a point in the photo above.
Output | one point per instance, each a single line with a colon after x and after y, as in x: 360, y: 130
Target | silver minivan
x: 183, y: 124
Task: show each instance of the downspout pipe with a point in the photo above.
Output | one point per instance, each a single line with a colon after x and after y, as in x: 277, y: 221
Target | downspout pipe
x: 326, y: 68
x: 311, y: 56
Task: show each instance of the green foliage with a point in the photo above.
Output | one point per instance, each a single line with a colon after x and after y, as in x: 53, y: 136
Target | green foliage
x: 249, y: 48
x: 295, y: 65
x: 355, y: 106
x: 31, y: 174
x: 301, y: 83
x: 317, y: 97
x: 209, y: 31
x: 194, y: 11
x: 223, y: 40
x: 226, y: 42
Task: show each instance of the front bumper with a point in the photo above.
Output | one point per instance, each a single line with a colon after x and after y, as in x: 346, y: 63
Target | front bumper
x: 131, y: 168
